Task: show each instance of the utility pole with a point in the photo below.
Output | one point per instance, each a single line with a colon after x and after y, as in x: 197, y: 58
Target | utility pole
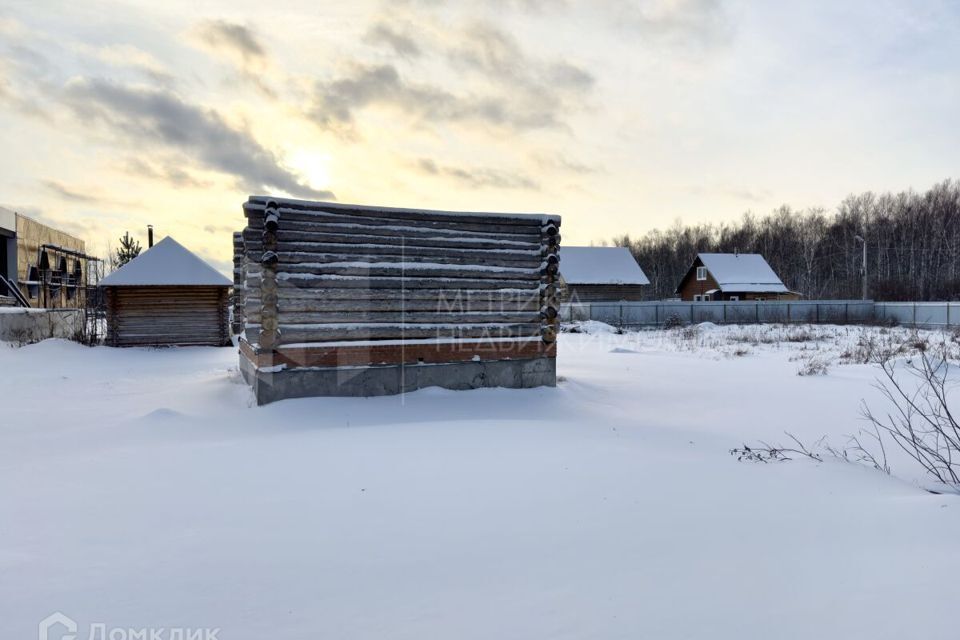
x: 863, y: 268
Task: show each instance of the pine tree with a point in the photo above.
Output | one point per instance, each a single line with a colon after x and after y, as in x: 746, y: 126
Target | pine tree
x: 129, y: 249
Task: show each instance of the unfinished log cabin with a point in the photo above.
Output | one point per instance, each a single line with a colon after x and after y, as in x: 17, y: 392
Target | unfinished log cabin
x: 346, y: 300
x: 167, y: 296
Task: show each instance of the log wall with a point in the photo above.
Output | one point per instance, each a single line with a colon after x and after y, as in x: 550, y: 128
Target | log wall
x: 314, y: 280
x: 167, y: 316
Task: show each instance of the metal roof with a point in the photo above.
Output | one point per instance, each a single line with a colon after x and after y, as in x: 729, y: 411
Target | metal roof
x: 748, y: 272
x: 600, y: 265
x: 167, y: 263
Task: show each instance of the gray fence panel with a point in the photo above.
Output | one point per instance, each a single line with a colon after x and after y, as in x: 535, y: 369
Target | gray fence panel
x: 635, y: 315
x: 708, y: 312
x: 861, y: 312
x: 921, y: 314
x: 679, y: 310
x: 898, y: 312
x: 804, y: 312
x: 831, y: 313
x: 609, y: 313
x: 930, y: 315
x: 773, y: 312
x: 649, y: 314
x: 742, y: 313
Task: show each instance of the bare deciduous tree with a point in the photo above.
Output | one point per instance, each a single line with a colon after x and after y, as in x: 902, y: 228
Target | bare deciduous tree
x: 913, y: 242
x: 920, y: 421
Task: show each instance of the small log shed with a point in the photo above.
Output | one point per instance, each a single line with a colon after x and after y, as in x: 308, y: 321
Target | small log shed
x: 601, y: 274
x: 167, y: 296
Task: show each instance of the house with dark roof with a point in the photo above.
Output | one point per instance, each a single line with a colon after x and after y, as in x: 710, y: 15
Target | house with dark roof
x: 600, y: 274
x: 732, y: 276
x: 167, y: 296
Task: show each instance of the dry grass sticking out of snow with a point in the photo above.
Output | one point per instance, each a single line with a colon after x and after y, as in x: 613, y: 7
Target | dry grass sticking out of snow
x: 140, y: 488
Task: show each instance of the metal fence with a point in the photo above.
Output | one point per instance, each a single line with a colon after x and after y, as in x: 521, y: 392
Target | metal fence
x: 919, y: 314
x: 658, y: 313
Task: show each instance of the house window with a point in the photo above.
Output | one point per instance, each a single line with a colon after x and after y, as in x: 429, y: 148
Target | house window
x: 33, y: 281
x: 706, y: 297
x: 701, y: 273
x: 696, y: 297
x: 734, y: 298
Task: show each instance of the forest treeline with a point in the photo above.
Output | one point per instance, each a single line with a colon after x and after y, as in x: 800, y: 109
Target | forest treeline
x: 913, y: 246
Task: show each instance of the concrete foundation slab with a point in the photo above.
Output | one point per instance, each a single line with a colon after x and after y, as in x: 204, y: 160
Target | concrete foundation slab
x: 272, y: 385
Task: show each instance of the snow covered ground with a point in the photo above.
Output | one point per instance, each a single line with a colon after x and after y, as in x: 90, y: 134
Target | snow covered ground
x: 141, y: 489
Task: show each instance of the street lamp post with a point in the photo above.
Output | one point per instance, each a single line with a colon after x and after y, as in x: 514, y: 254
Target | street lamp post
x: 863, y: 268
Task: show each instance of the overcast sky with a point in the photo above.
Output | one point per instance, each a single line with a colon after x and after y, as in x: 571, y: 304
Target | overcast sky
x: 620, y: 116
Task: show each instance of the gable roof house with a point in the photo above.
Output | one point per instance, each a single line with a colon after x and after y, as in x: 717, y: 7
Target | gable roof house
x: 732, y: 276
x: 600, y: 274
x: 167, y: 296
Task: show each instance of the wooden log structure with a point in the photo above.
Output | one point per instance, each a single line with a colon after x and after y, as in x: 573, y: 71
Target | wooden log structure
x: 326, y: 285
x: 166, y: 316
x: 167, y: 296
x: 239, y: 278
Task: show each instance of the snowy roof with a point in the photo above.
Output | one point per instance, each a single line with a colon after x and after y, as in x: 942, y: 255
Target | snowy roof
x: 600, y: 265
x: 260, y: 202
x: 8, y: 219
x: 166, y: 263
x: 742, y: 272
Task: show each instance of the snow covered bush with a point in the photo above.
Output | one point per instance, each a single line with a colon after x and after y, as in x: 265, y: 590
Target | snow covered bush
x: 673, y: 321
x: 813, y: 366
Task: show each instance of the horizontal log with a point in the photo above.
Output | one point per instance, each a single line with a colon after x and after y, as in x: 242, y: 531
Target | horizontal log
x: 307, y: 281
x: 408, y: 233
x: 307, y: 252
x: 257, y: 204
x: 407, y: 353
x: 409, y: 270
x: 375, y: 226
x: 185, y: 331
x: 355, y: 239
x: 527, y: 303
x: 178, y: 341
x: 414, y: 317
x: 445, y: 294
x: 325, y: 333
x: 164, y: 330
x: 386, y: 247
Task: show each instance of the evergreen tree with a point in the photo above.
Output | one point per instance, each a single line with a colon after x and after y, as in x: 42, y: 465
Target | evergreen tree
x: 129, y: 249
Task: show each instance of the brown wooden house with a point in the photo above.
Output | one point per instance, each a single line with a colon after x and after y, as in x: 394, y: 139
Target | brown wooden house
x: 732, y: 276
x: 167, y: 296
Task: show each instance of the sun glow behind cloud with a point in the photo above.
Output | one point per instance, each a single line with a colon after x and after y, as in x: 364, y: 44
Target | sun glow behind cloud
x: 620, y: 116
x: 314, y: 165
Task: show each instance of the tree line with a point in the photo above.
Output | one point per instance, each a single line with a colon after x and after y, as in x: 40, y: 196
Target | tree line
x: 913, y: 246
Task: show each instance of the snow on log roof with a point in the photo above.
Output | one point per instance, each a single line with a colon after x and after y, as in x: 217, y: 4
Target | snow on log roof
x: 259, y: 202
x: 747, y: 272
x: 167, y: 263
x: 8, y: 220
x: 600, y: 265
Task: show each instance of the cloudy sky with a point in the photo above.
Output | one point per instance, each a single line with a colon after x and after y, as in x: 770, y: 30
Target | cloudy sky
x: 620, y: 115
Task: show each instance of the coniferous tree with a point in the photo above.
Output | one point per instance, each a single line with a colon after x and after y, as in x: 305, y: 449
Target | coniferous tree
x: 129, y: 249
